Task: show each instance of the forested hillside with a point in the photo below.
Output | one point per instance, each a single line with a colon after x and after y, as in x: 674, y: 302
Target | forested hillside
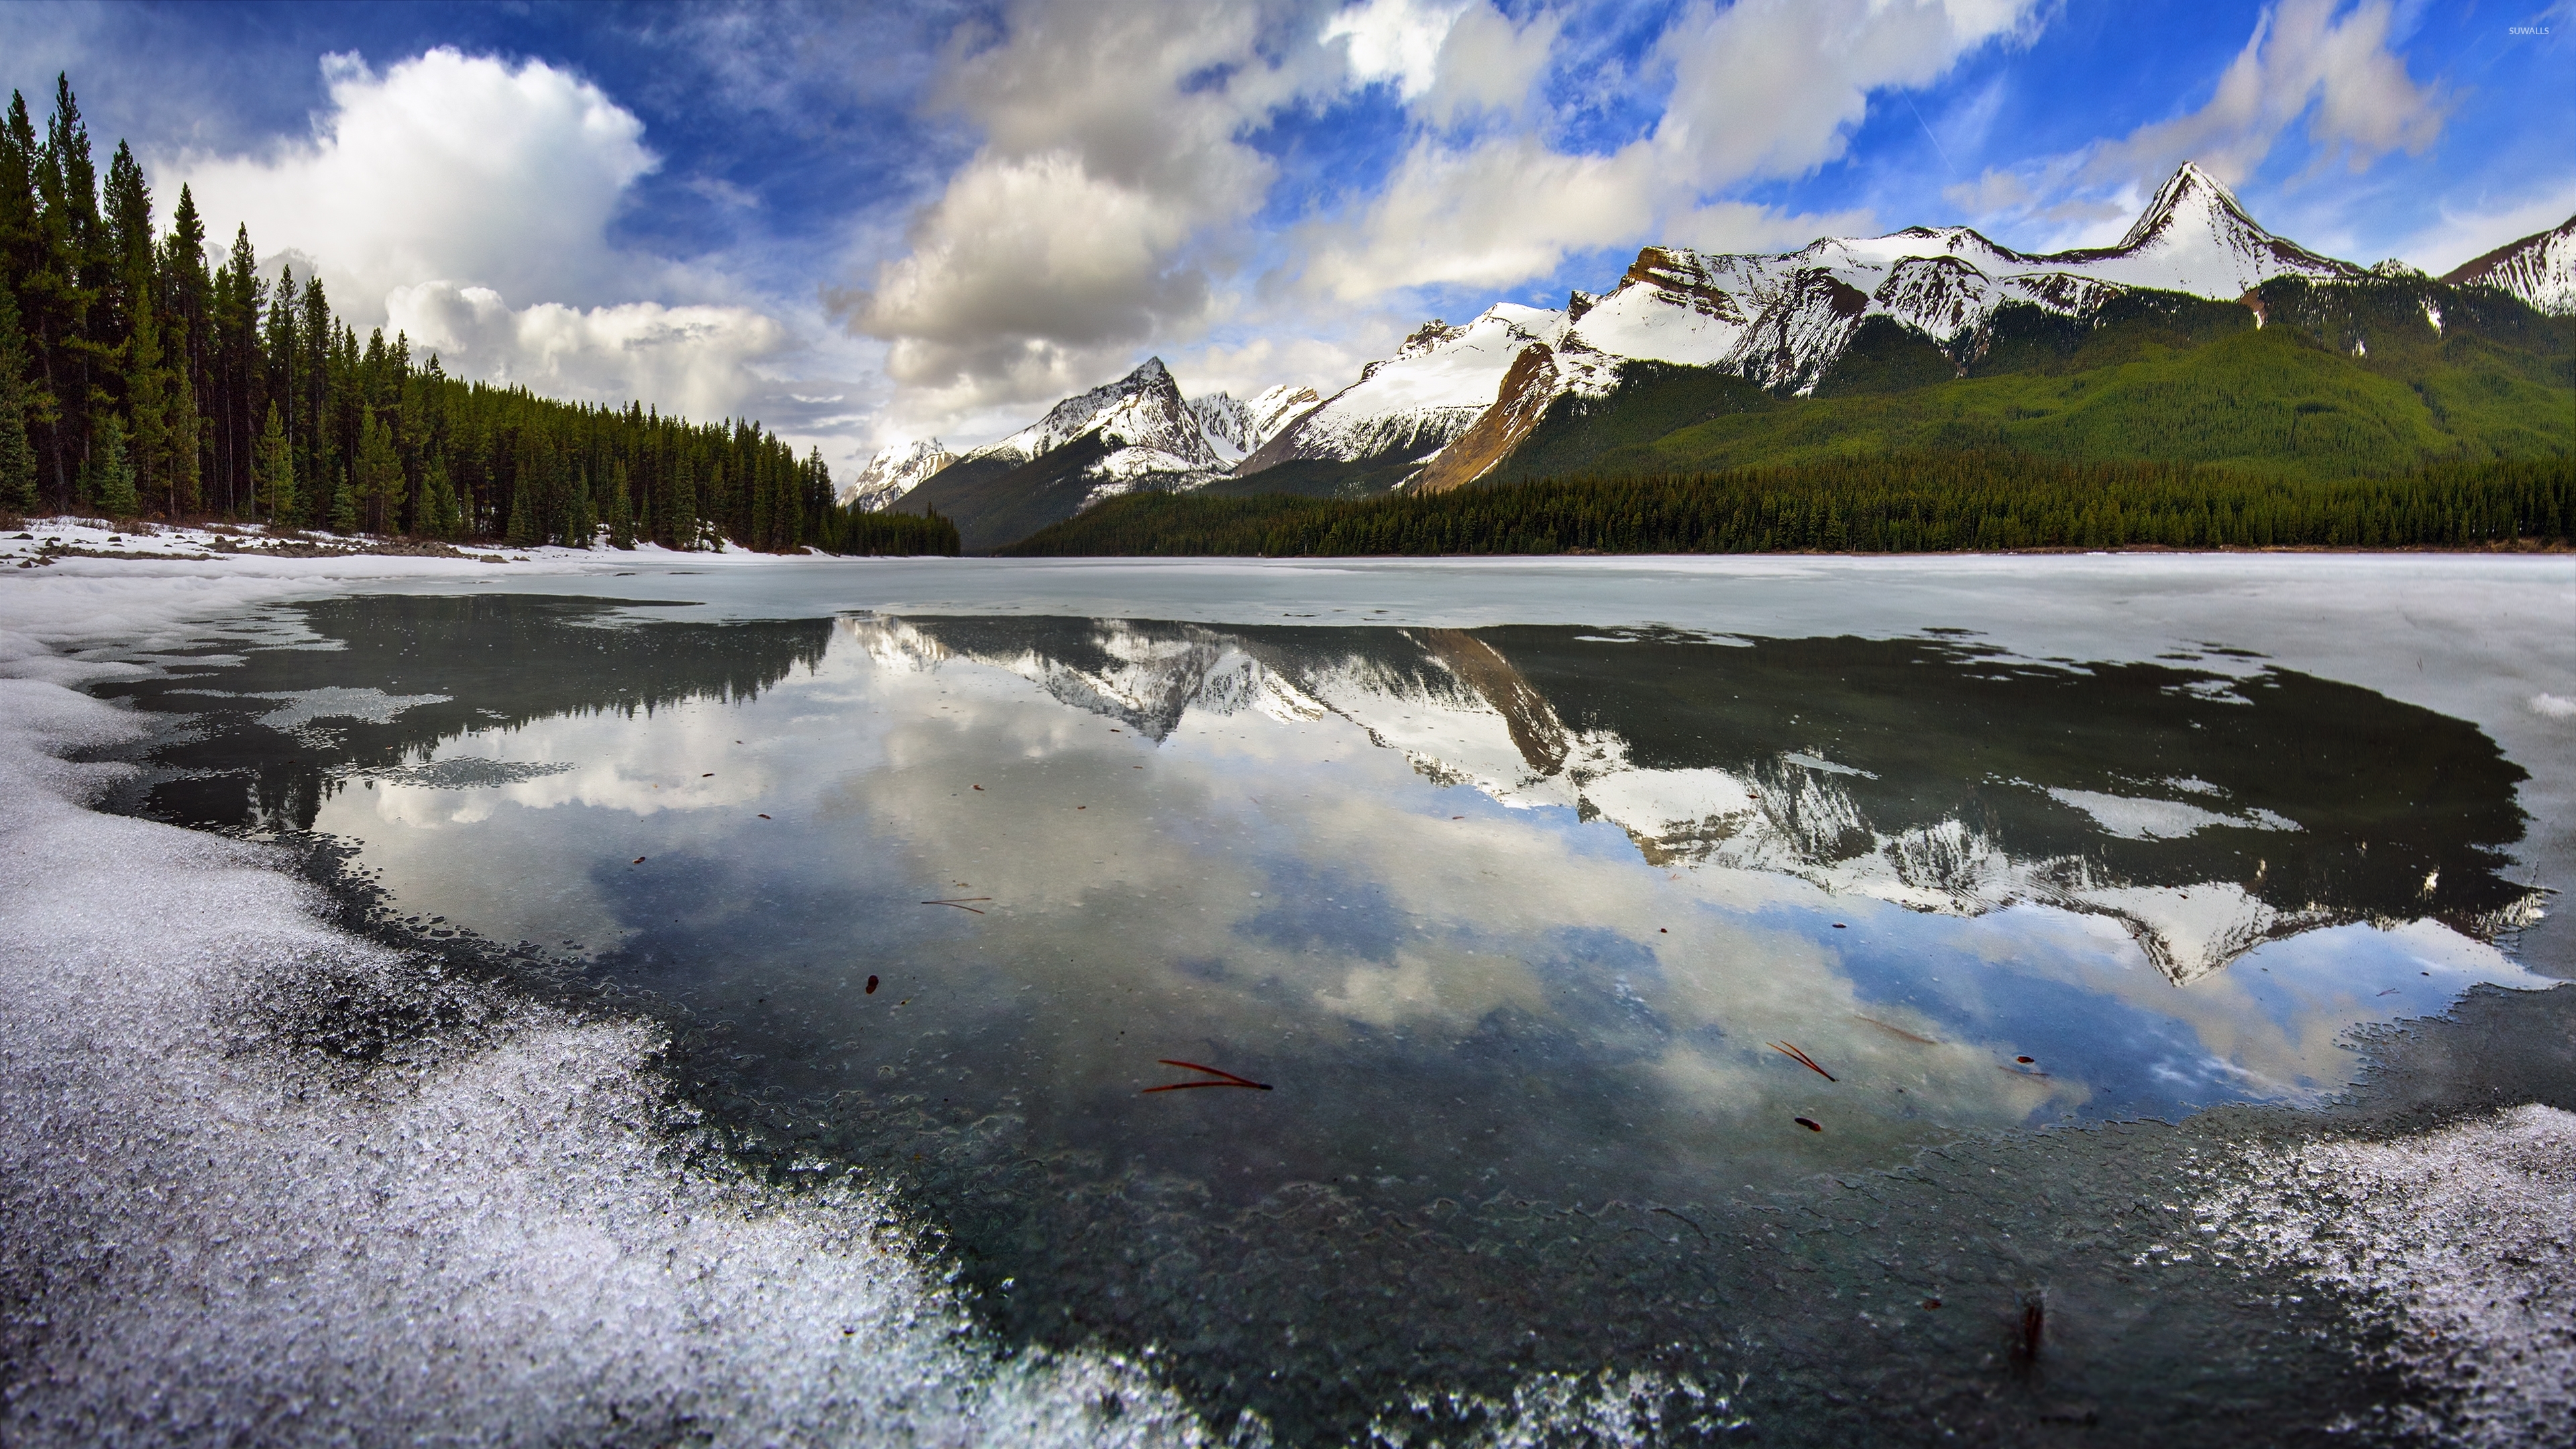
x: 1902, y: 504
x: 140, y: 378
x: 2387, y: 412
x: 2320, y: 380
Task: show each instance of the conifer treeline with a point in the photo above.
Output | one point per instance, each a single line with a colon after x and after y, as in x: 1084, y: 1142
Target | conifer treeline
x: 1902, y: 504
x: 137, y: 379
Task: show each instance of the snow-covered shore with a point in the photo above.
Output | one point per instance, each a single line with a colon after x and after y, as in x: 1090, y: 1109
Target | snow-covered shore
x: 216, y: 1234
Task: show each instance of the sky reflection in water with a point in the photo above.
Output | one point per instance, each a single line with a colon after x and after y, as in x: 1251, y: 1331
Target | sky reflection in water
x: 1508, y: 909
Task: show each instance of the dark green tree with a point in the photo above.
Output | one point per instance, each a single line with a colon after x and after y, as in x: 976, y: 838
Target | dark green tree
x: 17, y: 453
x: 276, y: 474
x: 442, y: 516
x: 621, y: 511
x: 344, y: 508
x: 111, y: 470
x: 378, y: 483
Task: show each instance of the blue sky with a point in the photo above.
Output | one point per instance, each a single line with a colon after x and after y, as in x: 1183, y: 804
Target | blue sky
x: 869, y: 224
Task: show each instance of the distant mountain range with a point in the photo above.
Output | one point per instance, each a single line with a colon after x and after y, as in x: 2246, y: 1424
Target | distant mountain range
x: 1686, y: 337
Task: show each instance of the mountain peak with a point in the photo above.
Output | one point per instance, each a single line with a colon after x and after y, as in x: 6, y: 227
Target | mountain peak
x: 2540, y: 269
x: 895, y: 471
x: 2190, y: 195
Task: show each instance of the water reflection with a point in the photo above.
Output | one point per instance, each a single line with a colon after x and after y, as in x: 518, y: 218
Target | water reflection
x: 1508, y: 916
x: 1935, y: 775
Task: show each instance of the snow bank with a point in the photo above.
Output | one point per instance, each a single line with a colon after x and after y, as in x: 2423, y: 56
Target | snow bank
x: 2456, y: 1244
x: 264, y: 1182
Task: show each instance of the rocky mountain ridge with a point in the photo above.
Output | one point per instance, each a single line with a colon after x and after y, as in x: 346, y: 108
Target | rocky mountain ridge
x: 895, y: 471
x: 1454, y: 401
x: 2540, y: 269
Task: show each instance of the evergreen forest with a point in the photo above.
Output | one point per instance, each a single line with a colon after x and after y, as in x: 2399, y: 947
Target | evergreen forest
x: 1901, y: 503
x: 141, y: 377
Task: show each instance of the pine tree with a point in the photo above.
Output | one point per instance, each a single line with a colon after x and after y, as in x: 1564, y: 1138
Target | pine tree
x: 17, y: 452
x: 621, y: 512
x: 186, y: 431
x: 523, y: 520
x: 379, y: 484
x: 147, y: 396
x: 111, y: 470
x: 439, y: 515
x: 344, y: 509
x: 680, y: 520
x: 275, y: 473
x: 581, y: 527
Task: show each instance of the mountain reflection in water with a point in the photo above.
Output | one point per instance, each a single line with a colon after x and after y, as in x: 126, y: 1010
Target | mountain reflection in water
x: 1510, y: 917
x: 2206, y: 812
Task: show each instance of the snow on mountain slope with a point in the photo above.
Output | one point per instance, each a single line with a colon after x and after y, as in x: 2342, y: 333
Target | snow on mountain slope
x: 1226, y: 422
x: 1143, y: 409
x: 1433, y: 389
x: 1279, y: 406
x: 1778, y: 320
x: 1149, y: 431
x: 2194, y: 237
x: 1782, y: 320
x: 1458, y: 400
x: 893, y: 472
x: 2540, y: 269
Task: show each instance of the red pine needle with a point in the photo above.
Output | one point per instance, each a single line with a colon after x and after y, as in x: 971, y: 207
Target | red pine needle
x: 1231, y: 1080
x: 1802, y: 1059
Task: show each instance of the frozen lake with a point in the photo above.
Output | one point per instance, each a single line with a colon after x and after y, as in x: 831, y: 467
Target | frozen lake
x: 1687, y: 999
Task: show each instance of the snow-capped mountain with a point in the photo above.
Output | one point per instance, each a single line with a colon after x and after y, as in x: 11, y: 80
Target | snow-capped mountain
x: 2540, y: 269
x: 1235, y: 428
x: 1277, y: 407
x: 1432, y: 390
x: 1454, y: 402
x: 1136, y: 432
x: 1142, y: 418
x: 895, y: 471
x: 1779, y: 320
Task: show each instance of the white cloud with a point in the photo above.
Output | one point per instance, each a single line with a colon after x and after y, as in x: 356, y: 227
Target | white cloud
x: 693, y: 360
x: 1112, y: 160
x: 2304, y: 59
x: 430, y: 191
x: 1768, y: 88
x: 1486, y: 64
x: 2463, y: 236
x: 1761, y: 89
x: 1394, y: 40
x: 1113, y: 191
x: 445, y: 165
x: 2324, y: 61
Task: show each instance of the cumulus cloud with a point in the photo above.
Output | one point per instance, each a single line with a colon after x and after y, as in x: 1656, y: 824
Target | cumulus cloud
x: 445, y: 165
x: 693, y: 360
x: 1112, y: 158
x: 428, y: 192
x: 1486, y: 64
x: 1107, y: 205
x: 1775, y: 87
x: 1394, y: 40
